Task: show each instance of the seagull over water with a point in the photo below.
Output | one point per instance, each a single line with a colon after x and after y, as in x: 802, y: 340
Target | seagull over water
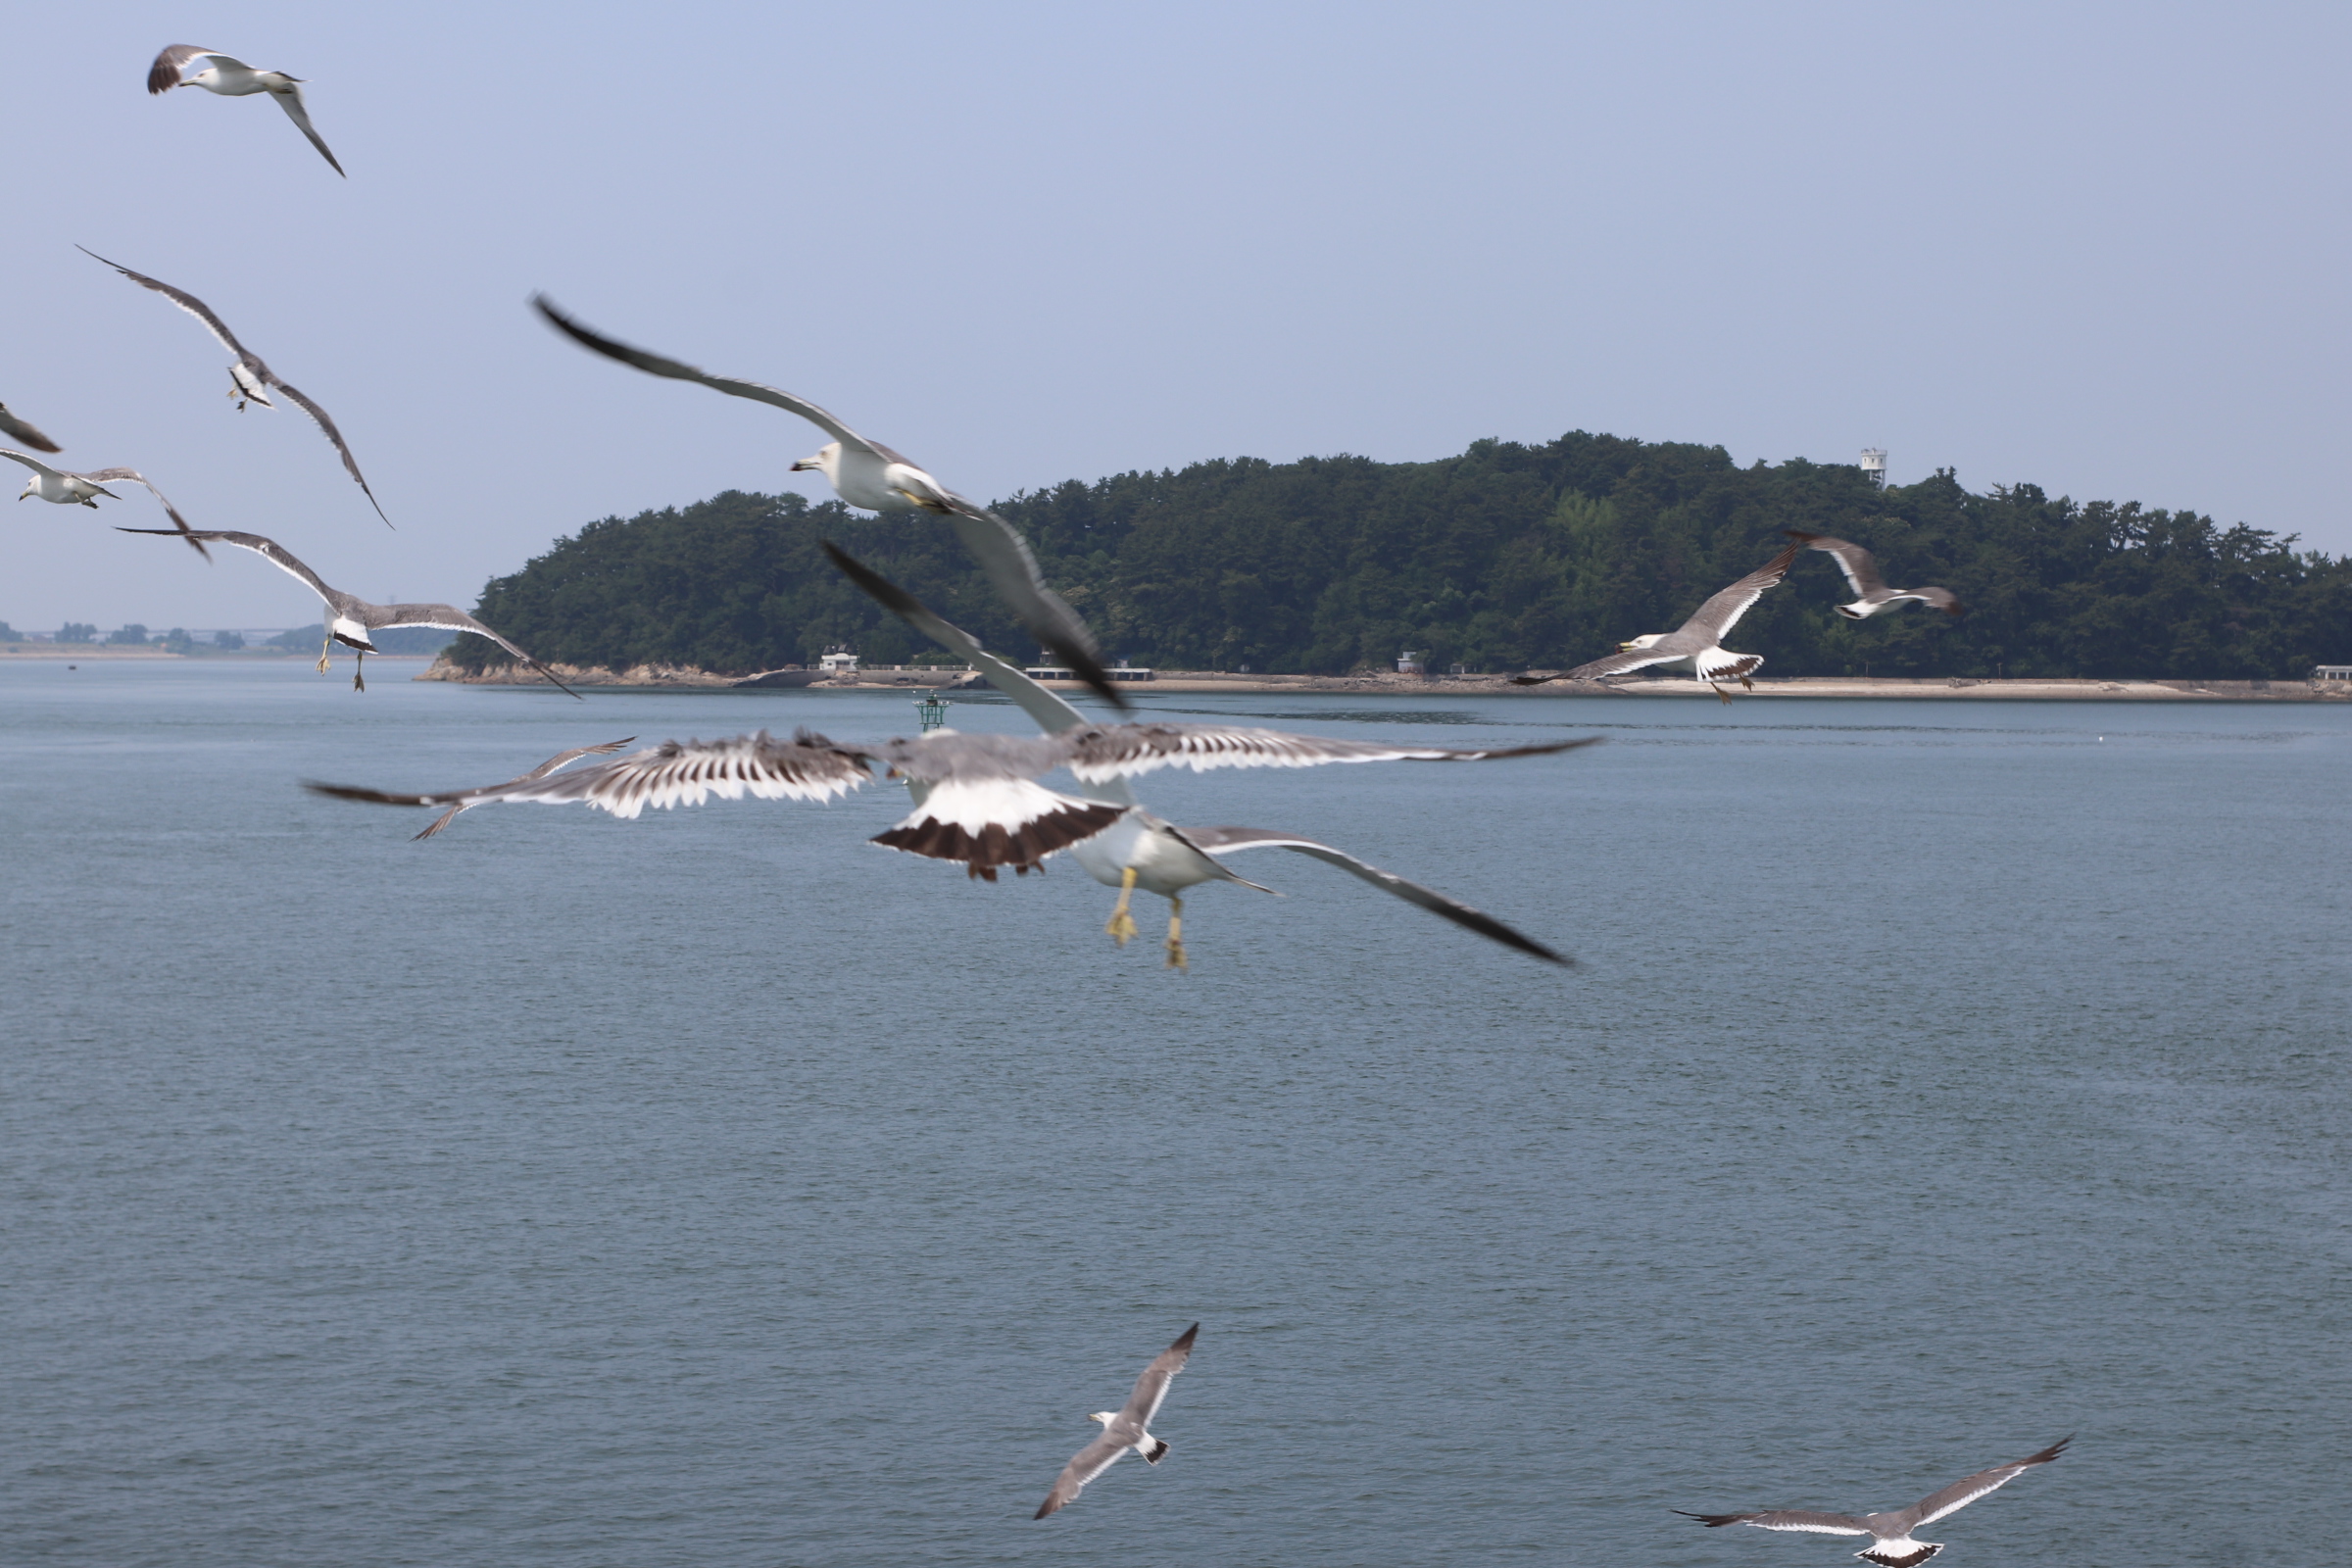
x: 350, y: 618
x: 866, y: 474
x: 251, y: 379
x: 558, y: 761
x: 1123, y: 1428
x: 67, y: 488
x: 1140, y: 851
x: 16, y: 429
x: 1697, y: 642
x: 1871, y: 594
x: 1892, y: 1545
x: 233, y: 77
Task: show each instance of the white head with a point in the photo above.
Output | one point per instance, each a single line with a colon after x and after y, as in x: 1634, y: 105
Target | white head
x: 827, y: 461
x: 1648, y: 639
x: 30, y: 485
x: 1107, y: 1417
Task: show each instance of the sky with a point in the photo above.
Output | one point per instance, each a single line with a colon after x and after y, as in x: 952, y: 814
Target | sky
x: 2097, y: 248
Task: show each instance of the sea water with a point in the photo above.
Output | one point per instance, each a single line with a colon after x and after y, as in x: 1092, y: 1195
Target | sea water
x: 717, y: 1188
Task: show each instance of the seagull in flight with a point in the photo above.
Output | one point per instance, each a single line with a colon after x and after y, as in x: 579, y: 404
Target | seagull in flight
x: 251, y: 379
x: 866, y: 474
x: 558, y: 761
x: 1123, y: 1428
x: 1861, y: 570
x: 16, y: 429
x: 66, y: 488
x: 1697, y: 642
x: 1891, y: 1544
x: 350, y: 618
x: 233, y: 77
x: 1140, y: 851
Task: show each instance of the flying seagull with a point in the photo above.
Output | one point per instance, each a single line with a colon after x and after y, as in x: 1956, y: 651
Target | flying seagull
x: 66, y: 488
x: 250, y: 379
x: 560, y: 760
x: 350, y: 618
x: 1143, y: 851
x: 866, y: 474
x: 975, y: 798
x: 1123, y: 1428
x: 1862, y: 575
x: 233, y: 77
x: 16, y: 429
x: 1890, y: 1545
x: 1697, y: 642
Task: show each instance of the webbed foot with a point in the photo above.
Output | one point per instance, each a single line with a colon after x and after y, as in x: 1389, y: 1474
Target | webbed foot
x: 1122, y: 924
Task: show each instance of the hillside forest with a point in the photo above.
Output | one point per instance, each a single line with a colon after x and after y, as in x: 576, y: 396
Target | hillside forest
x: 1506, y: 557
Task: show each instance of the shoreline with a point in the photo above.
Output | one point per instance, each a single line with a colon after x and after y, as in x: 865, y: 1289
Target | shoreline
x: 1195, y: 683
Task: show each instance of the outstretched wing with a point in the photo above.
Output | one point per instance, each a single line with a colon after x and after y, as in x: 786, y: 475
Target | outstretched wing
x: 164, y: 75
x: 1719, y: 614
x: 560, y: 760
x: 184, y: 300
x: 674, y: 773
x: 1085, y: 1464
x: 1938, y: 598
x: 677, y: 370
x: 1616, y: 664
x: 1122, y: 751
x: 1224, y: 841
x: 350, y: 464
x: 16, y: 429
x: 447, y: 618
x: 1859, y: 565
x: 1960, y: 1494
x: 269, y: 550
x: 104, y: 476
x: 1012, y: 569
x: 33, y: 463
x: 289, y: 98
x: 1819, y: 1524
x: 1151, y: 1388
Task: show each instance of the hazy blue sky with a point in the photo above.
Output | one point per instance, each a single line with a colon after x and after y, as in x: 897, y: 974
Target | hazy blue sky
x: 2101, y: 248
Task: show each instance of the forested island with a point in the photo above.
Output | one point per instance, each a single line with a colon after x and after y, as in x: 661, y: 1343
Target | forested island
x: 1507, y: 556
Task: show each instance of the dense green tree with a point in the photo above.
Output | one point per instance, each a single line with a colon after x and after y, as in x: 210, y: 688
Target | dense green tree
x: 134, y: 635
x: 1502, y: 558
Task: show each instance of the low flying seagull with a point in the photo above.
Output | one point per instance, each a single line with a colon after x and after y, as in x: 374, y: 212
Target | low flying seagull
x: 866, y: 474
x: 350, y: 618
x: 1862, y: 575
x: 1697, y: 642
x: 1123, y: 1428
x: 233, y: 77
x: 1892, y: 1545
x: 16, y: 429
x: 67, y: 488
x: 560, y: 760
x: 249, y: 379
x: 1143, y: 851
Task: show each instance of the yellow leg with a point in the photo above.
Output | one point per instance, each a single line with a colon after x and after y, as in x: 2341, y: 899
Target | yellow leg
x: 357, y: 681
x: 1176, y: 959
x: 326, y: 649
x: 1722, y: 695
x: 1122, y: 924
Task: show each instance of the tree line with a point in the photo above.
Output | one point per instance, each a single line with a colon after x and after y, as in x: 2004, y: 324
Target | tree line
x: 1506, y: 557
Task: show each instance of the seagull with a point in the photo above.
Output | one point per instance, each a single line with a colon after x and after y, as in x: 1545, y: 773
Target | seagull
x: 1697, y: 642
x: 350, y: 618
x: 1147, y: 852
x: 233, y: 77
x: 866, y: 474
x: 250, y: 379
x: 560, y: 760
x: 66, y: 488
x: 975, y: 798
x: 16, y: 429
x: 1123, y: 1428
x: 1892, y: 1545
x: 1862, y: 575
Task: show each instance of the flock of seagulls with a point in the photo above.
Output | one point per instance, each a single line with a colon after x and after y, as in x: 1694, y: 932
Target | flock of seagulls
x: 976, y: 800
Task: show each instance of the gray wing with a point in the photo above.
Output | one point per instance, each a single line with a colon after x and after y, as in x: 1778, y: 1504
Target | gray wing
x: 1819, y: 1524
x: 1151, y: 1388
x: 1085, y: 1464
x: 1937, y: 598
x: 1012, y: 569
x: 33, y: 463
x: 1720, y: 614
x: 186, y: 302
x: 269, y: 550
x: 16, y: 429
x: 1960, y: 1494
x: 137, y: 477
x: 447, y: 618
x: 677, y: 370
x: 560, y: 760
x: 1859, y: 565
x: 1117, y: 750
x: 672, y: 774
x: 1616, y: 664
x: 290, y: 100
x: 326, y: 424
x: 164, y: 75
x: 1224, y: 841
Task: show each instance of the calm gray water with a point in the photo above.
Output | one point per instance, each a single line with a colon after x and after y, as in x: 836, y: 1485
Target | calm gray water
x: 716, y: 1189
